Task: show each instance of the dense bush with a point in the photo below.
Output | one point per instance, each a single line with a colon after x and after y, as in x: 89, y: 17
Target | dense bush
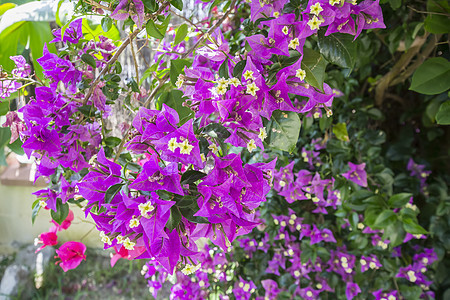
x: 311, y: 153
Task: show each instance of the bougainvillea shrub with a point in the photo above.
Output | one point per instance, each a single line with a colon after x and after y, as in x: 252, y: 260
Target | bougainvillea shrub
x: 271, y: 153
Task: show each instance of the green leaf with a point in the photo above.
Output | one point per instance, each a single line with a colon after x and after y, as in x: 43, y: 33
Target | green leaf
x: 112, y: 141
x: 4, y: 107
x: 432, y: 77
x: 338, y: 48
x: 174, y: 219
x: 340, y: 130
x: 410, y: 292
x: 89, y: 60
x: 112, y: 192
x: 436, y: 23
x: 283, y: 130
x: 399, y: 200
x: 443, y: 114
x: 239, y: 68
x: 39, y: 33
x: 152, y: 30
x: 87, y: 110
x: 61, y: 213
x: 106, y: 23
x: 16, y: 147
x: 411, y: 226
x: 5, y: 7
x: 174, y: 99
x: 181, y: 34
x: 395, y: 233
x: 223, y: 70
x: 191, y: 176
x: 188, y: 213
x: 90, y: 33
x: 34, y: 213
x: 178, y: 4
x: 386, y: 218
x: 176, y: 68
x: 151, y: 5
x: 314, y: 65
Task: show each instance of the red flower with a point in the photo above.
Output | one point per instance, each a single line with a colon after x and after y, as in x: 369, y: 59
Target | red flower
x: 71, y: 255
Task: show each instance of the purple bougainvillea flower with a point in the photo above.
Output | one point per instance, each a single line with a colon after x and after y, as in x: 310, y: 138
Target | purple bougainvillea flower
x: 70, y: 254
x: 370, y: 16
x: 133, y: 8
x: 59, y: 69
x: 271, y: 287
x: 22, y: 69
x: 357, y: 174
x: 72, y: 34
x: 352, y: 290
x: 153, y: 178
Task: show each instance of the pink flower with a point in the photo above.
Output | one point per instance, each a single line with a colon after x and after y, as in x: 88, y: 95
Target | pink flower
x: 357, y: 174
x: 124, y: 253
x: 71, y: 255
x: 47, y: 239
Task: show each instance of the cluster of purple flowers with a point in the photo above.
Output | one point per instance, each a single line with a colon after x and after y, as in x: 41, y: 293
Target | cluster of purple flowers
x: 418, y: 171
x: 137, y: 216
x: 9, y: 85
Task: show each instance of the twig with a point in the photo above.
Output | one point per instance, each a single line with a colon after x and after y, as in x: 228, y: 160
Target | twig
x: 184, y: 18
x: 117, y: 54
x: 428, y: 12
x: 98, y: 5
x: 135, y: 62
x: 188, y: 52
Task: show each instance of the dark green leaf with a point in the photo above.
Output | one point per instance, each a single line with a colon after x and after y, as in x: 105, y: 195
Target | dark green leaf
x: 443, y: 114
x: 239, y: 68
x: 411, y: 226
x: 338, y: 48
x: 386, y: 218
x: 112, y: 192
x: 437, y: 23
x: 191, y: 176
x: 112, y: 141
x: 106, y: 23
x: 432, y: 77
x: 188, y: 213
x: 186, y: 201
x: 178, y: 4
x: 87, y: 110
x: 399, y: 200
x: 34, y: 213
x: 89, y: 60
x: 153, y: 31
x: 174, y: 99
x: 174, y: 219
x: 62, y: 211
x: 395, y: 233
x: 314, y: 65
x: 181, y: 34
x: 151, y: 5
x: 223, y: 70
x: 134, y: 86
x: 176, y: 68
x: 283, y: 130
